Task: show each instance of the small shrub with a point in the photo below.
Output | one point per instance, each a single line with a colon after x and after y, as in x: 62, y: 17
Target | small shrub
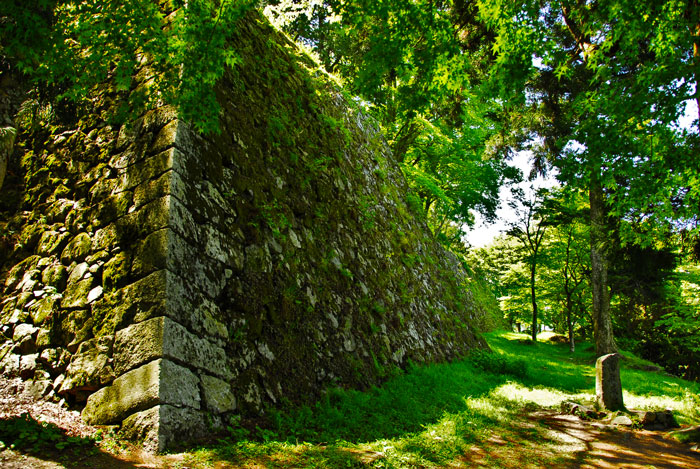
x: 498, y: 364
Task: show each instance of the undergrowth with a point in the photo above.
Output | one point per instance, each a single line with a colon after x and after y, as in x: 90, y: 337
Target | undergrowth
x: 432, y: 416
x: 29, y: 435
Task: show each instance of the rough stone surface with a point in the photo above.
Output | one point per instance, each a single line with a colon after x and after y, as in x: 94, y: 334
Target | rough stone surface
x: 579, y: 410
x: 608, y: 386
x: 164, y: 337
x: 623, y: 420
x: 90, y: 368
x: 76, y: 295
x: 77, y: 249
x: 217, y: 395
x: 656, y: 420
x: 158, y: 382
x: 158, y: 427
x: 267, y: 262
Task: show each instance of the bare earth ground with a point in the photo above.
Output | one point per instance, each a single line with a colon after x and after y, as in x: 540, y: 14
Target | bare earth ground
x: 584, y: 444
x: 544, y: 439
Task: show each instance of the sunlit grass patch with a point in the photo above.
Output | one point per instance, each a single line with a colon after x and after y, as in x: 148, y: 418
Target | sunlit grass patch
x: 251, y: 454
x: 478, y: 411
x: 539, y: 395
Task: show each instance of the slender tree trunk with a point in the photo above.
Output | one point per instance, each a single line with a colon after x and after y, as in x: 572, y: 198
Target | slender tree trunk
x: 533, y: 271
x: 567, y: 291
x: 4, y: 159
x: 570, y: 323
x: 696, y: 56
x: 602, y: 325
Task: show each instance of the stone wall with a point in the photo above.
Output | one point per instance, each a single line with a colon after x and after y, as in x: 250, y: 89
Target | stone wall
x: 166, y: 280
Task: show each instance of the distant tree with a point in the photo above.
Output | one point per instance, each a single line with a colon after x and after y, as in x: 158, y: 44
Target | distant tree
x: 502, y: 266
x: 568, y: 267
x: 529, y: 229
x: 419, y: 66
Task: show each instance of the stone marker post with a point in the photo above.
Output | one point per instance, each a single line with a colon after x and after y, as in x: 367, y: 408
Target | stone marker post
x: 608, y: 387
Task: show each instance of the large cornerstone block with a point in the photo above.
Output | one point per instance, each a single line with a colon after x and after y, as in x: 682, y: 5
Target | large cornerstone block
x: 158, y: 382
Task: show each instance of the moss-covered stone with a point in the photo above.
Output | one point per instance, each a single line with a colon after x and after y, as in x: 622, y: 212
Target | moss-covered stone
x: 20, y: 271
x: 115, y: 271
x: 77, y: 249
x: 90, y: 368
x: 151, y: 254
x: 43, y: 309
x: 158, y: 382
x: 55, y: 275
x: 51, y: 242
x: 76, y: 293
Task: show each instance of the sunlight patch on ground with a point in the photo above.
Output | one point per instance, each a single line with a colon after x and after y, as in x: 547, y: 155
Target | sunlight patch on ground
x: 684, y: 408
x: 544, y: 397
x: 513, y: 335
x: 495, y: 409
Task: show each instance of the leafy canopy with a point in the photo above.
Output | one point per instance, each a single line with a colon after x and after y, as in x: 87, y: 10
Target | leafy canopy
x: 156, y: 52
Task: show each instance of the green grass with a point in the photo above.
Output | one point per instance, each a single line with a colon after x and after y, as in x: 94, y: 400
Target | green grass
x: 432, y: 416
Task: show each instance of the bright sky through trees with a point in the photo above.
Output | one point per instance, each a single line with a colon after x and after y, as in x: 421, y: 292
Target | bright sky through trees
x: 483, y: 233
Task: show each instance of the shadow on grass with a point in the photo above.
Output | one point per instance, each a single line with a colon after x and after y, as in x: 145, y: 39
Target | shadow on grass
x: 430, y: 416
x: 29, y: 443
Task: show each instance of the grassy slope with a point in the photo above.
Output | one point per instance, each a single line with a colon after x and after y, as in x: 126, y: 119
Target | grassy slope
x: 431, y: 416
x: 442, y: 415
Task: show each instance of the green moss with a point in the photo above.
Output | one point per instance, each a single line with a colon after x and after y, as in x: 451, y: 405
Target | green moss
x: 77, y: 249
x: 55, y: 275
x: 116, y: 270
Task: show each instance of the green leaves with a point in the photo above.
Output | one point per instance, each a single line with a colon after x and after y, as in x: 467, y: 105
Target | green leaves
x: 153, y: 55
x: 420, y: 66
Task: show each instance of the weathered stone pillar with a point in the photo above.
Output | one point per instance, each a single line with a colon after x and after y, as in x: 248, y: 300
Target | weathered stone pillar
x: 608, y: 387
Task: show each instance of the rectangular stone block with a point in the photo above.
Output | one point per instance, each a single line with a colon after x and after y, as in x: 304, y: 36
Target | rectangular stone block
x: 163, y: 293
x: 160, y: 426
x: 202, y: 273
x: 190, y: 307
x: 148, y: 218
x: 151, y: 253
x: 146, y: 170
x: 163, y: 337
x: 183, y: 223
x: 157, y: 382
x: 608, y: 387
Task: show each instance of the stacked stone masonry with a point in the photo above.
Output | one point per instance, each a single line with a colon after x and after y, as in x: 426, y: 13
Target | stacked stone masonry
x: 166, y: 280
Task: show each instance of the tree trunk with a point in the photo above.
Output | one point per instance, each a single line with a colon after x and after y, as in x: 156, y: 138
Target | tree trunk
x: 570, y: 323
x: 696, y: 56
x: 4, y: 157
x: 602, y: 325
x: 533, y: 269
x: 567, y: 291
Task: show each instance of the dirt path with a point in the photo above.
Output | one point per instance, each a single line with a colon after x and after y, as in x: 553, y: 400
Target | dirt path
x: 604, y: 446
x: 570, y: 442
